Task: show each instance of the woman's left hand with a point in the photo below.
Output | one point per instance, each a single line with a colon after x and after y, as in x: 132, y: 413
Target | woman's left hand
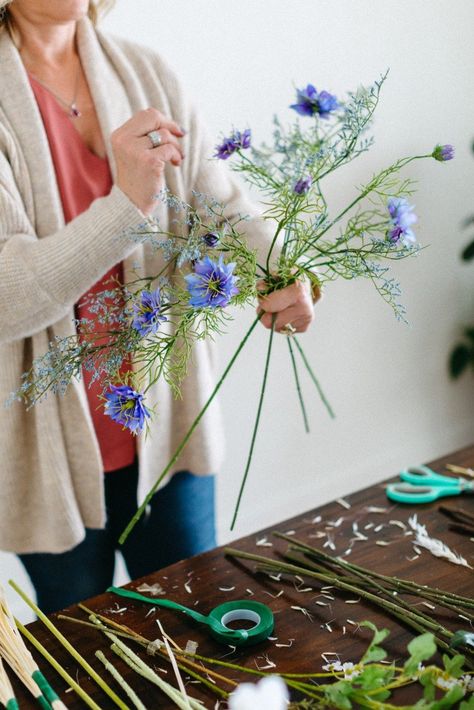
x: 293, y: 306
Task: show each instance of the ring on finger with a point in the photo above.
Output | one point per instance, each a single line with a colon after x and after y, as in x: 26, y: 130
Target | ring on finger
x: 155, y: 138
x: 288, y: 329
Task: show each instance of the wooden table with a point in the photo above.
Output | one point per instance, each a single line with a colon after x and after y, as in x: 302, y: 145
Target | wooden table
x: 203, y: 581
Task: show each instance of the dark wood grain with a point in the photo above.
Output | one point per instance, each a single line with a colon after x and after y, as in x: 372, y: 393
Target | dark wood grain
x: 328, y: 630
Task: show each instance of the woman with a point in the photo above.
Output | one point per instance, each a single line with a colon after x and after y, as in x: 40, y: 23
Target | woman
x: 78, y: 168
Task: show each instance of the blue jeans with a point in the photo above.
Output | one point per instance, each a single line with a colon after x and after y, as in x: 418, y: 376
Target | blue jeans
x: 179, y: 523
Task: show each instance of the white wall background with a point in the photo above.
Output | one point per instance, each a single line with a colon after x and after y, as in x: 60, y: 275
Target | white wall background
x: 387, y: 382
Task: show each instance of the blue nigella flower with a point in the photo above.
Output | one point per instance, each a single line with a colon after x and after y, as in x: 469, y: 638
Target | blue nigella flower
x: 309, y: 102
x: 126, y: 407
x: 211, y: 239
x: 147, y: 317
x: 212, y: 284
x: 402, y: 217
x: 303, y: 185
x: 237, y: 141
x: 443, y: 153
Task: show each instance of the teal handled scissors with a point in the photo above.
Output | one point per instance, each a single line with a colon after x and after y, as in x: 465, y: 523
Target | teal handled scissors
x: 419, y: 484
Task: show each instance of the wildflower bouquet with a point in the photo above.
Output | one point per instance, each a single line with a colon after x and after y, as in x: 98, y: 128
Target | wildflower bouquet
x: 209, y: 266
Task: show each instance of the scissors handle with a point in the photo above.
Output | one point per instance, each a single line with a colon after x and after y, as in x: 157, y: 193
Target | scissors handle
x: 408, y: 493
x: 422, y: 475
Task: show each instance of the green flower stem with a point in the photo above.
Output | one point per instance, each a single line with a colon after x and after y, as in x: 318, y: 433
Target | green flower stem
x: 57, y: 667
x: 69, y: 647
x: 257, y: 421
x: 186, y: 666
x: 298, y: 387
x: 120, y: 680
x: 136, y: 663
x: 381, y: 589
x: 409, y: 617
x: 413, y: 587
x: 315, y: 380
x: 187, y: 436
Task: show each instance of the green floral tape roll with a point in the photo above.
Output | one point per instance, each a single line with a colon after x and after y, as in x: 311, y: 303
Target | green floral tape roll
x: 219, y: 618
x: 240, y: 610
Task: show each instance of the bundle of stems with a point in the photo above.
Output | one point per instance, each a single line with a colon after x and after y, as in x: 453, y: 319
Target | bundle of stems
x: 20, y: 660
x: 316, y: 688
x: 70, y: 648
x: 7, y: 696
x: 381, y: 590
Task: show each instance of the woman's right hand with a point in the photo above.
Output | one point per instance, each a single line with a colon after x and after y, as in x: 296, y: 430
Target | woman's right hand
x: 140, y: 167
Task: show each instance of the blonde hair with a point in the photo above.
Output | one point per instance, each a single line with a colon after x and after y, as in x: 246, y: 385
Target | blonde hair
x: 96, y: 9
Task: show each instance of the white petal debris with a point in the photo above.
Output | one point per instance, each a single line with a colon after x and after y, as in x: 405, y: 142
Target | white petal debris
x: 317, y: 519
x: 154, y: 589
x: 268, y: 662
x: 335, y: 523
x: 318, y: 534
x: 285, y: 645
x: 304, y: 611
x: 352, y: 601
x: 376, y: 509
x: 290, y: 532
x: 249, y: 592
x: 379, y: 527
x: 437, y: 547
x: 330, y: 543
x: 398, y: 523
x: 344, y: 503
x: 274, y: 596
x: 187, y: 587
x: 264, y: 542
x: 152, y: 611
x: 226, y: 589
x: 275, y: 577
x: 369, y: 526
x: 382, y: 543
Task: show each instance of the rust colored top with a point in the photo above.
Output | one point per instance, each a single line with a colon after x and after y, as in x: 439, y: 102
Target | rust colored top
x: 82, y: 177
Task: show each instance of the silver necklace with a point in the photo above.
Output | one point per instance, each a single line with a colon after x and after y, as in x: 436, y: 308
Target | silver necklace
x: 73, y: 111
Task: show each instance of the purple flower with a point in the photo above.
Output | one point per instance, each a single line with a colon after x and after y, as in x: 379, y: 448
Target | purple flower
x: 303, y: 185
x: 443, y: 153
x: 402, y: 217
x: 309, y: 102
x: 237, y: 141
x: 126, y: 407
x: 211, y: 239
x: 212, y: 284
x: 147, y: 317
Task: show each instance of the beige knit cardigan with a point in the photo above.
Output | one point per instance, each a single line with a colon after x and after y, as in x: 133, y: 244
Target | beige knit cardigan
x: 51, y: 478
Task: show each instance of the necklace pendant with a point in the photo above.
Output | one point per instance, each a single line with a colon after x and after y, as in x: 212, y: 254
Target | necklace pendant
x: 74, y: 112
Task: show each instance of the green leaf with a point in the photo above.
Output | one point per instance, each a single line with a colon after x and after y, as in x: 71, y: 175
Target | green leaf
x: 375, y: 652
x: 373, y: 677
x: 459, y: 360
x: 420, y: 649
x: 338, y: 694
x: 454, y: 665
x: 467, y: 704
x: 450, y: 700
x: 427, y: 680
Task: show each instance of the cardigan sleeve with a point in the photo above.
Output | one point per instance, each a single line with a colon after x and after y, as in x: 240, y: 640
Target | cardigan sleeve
x: 201, y: 171
x: 41, y: 279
